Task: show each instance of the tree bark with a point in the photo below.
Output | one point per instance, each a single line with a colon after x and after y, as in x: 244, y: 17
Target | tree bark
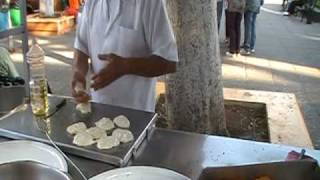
x: 194, y: 94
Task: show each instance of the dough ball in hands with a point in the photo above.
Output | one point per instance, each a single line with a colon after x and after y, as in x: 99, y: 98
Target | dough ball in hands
x: 83, y: 139
x: 105, y: 124
x: 123, y: 135
x: 79, y: 87
x: 84, y: 108
x: 76, y: 128
x: 107, y: 142
x: 96, y: 132
x: 122, y: 121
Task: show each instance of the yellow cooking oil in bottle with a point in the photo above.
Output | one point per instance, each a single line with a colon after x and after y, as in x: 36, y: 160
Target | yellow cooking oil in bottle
x: 38, y: 80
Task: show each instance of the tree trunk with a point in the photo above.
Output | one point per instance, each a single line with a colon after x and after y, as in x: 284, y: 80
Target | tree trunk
x: 194, y: 94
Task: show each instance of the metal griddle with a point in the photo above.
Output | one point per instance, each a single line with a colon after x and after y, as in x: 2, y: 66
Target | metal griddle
x: 22, y: 125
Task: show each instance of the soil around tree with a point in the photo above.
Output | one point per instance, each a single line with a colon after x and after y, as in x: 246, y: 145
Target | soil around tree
x: 245, y: 120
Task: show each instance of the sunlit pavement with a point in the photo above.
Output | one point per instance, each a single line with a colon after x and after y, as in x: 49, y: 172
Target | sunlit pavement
x: 287, y: 59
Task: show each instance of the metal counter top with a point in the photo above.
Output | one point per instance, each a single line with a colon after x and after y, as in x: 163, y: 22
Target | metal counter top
x: 189, y: 153
x: 21, y: 124
x: 89, y: 167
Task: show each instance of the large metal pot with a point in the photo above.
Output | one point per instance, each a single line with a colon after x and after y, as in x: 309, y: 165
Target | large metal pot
x: 28, y: 170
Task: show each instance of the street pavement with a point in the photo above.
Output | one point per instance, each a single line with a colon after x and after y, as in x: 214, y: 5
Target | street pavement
x: 287, y: 59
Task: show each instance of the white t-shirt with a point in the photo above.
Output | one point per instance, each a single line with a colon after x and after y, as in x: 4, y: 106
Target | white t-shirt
x: 128, y: 28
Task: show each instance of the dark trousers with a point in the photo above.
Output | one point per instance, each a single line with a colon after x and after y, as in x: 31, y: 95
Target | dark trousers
x: 249, y: 30
x: 227, y: 23
x: 292, y: 6
x: 234, y: 31
x: 219, y: 13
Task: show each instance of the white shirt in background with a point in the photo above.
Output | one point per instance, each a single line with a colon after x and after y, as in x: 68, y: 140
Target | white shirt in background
x: 128, y: 28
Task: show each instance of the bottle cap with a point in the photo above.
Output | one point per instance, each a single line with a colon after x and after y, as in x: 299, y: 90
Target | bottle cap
x: 35, y: 51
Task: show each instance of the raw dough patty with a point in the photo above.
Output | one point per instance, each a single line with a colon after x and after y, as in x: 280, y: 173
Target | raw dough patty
x: 96, y: 132
x: 122, y: 121
x: 107, y: 142
x: 83, y: 139
x: 123, y: 135
x: 76, y: 128
x: 105, y: 123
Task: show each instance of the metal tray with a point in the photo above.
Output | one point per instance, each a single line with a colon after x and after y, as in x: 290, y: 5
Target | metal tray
x: 290, y: 170
x: 11, y: 97
x: 22, y: 125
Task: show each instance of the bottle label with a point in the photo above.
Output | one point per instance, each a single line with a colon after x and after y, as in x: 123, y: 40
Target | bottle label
x: 39, y: 96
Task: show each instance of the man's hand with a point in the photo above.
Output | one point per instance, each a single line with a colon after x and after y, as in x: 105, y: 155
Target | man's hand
x: 80, y: 69
x: 151, y: 66
x: 116, y: 68
x: 80, y: 96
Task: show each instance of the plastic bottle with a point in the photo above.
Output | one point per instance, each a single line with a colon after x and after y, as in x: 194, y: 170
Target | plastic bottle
x: 38, y: 81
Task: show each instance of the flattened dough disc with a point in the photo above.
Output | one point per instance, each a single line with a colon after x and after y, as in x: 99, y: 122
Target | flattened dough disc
x: 83, y: 139
x: 107, y: 142
x: 122, y: 121
x: 123, y: 135
x: 105, y: 123
x: 76, y: 128
x: 96, y: 132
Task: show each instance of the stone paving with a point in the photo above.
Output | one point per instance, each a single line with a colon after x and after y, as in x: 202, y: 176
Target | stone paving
x: 287, y: 59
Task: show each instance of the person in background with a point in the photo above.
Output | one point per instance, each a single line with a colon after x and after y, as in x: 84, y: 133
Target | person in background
x: 292, y: 6
x: 73, y: 7
x: 219, y: 12
x: 227, y: 21
x: 4, y: 15
x: 7, y: 67
x: 129, y: 43
x: 250, y: 16
x: 235, y: 11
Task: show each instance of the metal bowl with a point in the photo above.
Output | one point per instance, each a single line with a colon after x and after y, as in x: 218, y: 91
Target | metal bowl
x: 28, y: 170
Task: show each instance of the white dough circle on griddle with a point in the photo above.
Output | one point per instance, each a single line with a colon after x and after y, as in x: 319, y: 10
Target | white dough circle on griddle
x: 107, y: 142
x: 123, y: 135
x: 83, y: 139
x: 96, y: 132
x: 105, y: 123
x: 122, y: 121
x: 76, y: 128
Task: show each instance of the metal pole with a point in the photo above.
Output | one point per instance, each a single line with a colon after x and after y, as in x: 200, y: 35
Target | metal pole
x: 25, y: 46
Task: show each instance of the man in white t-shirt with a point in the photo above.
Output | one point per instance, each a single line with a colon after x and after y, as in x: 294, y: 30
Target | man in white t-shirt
x: 129, y: 42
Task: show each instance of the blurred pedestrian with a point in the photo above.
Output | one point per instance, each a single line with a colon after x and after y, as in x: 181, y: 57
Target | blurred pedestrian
x: 235, y: 11
x: 250, y: 16
x: 219, y: 12
x: 7, y: 68
x: 292, y: 6
x: 226, y: 12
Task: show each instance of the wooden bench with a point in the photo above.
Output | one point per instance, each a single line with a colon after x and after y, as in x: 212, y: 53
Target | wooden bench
x: 50, y: 26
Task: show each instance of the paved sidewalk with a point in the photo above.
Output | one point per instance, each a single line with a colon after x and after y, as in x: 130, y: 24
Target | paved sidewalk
x: 287, y: 59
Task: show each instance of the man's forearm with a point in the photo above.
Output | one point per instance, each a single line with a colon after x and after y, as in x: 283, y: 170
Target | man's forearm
x: 81, y: 64
x: 149, y: 67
